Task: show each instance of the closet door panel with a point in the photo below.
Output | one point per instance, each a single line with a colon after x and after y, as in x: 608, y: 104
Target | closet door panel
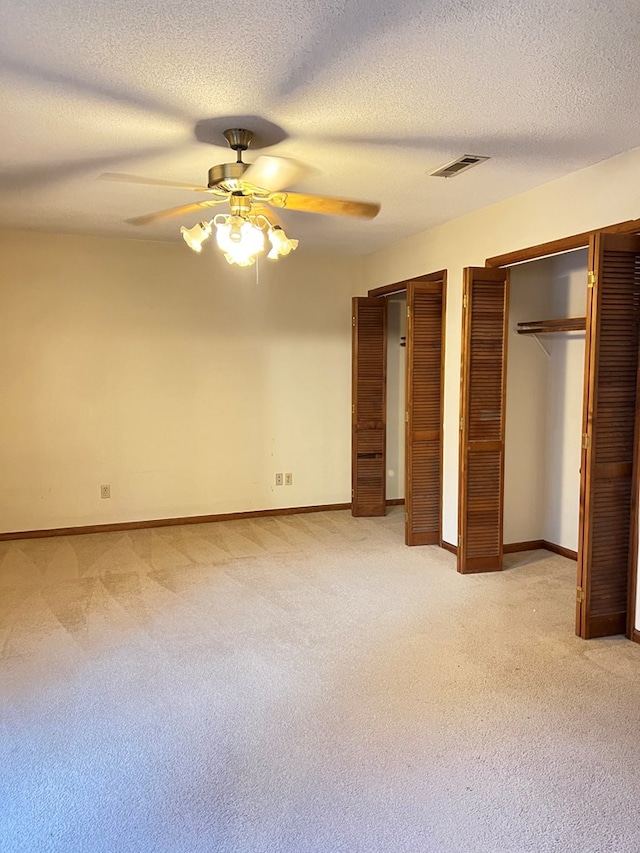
x: 369, y: 406
x: 609, y: 423
x: 482, y: 417
x: 425, y: 366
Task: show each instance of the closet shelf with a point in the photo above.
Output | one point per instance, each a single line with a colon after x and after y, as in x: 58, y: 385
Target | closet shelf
x: 540, y: 327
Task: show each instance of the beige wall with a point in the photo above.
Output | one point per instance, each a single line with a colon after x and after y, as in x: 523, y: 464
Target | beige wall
x: 591, y: 198
x: 176, y: 379
x: 526, y: 407
x: 568, y: 277
x: 396, y: 395
x: 544, y: 403
x: 186, y: 385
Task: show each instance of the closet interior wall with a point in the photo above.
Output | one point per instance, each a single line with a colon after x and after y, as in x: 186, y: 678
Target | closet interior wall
x: 544, y: 400
x: 396, y: 394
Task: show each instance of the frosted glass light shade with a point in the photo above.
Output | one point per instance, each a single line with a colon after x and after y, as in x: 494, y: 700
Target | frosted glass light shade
x: 195, y: 237
x: 281, y: 245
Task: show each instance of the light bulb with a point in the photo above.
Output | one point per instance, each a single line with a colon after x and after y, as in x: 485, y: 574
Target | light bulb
x: 195, y: 237
x: 241, y: 252
x: 235, y: 229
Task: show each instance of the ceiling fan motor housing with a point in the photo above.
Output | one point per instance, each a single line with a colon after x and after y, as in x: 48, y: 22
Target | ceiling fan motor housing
x: 227, y: 176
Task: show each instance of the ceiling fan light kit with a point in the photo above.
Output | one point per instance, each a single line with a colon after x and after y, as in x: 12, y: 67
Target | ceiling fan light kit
x: 249, y: 188
x: 241, y: 239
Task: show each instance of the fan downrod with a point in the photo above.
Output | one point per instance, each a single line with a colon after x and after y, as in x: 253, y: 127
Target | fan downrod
x: 228, y: 176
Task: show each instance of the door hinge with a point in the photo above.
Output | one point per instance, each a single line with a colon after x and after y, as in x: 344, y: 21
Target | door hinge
x: 460, y: 540
x: 464, y: 300
x: 408, y: 312
x: 353, y: 321
x: 580, y: 595
x: 406, y: 517
x: 353, y: 408
x: 406, y: 417
x: 461, y: 422
x: 586, y: 441
x: 591, y: 279
x: 352, y: 494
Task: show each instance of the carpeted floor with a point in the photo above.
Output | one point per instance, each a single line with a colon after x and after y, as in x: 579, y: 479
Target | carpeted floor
x: 305, y: 684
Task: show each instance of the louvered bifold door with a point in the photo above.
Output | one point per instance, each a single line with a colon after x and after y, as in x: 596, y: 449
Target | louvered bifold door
x: 482, y: 411
x: 369, y: 406
x: 425, y: 360
x: 606, y: 484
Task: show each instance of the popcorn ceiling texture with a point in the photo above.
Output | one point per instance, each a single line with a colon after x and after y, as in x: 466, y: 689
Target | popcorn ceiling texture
x: 374, y: 95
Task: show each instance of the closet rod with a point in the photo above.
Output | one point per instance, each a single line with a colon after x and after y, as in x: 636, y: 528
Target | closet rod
x: 538, y: 327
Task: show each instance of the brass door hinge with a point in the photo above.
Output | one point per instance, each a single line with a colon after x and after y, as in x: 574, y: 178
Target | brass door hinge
x: 580, y: 595
x: 461, y: 422
x: 464, y: 300
x: 353, y: 321
x: 408, y: 312
x: 591, y: 279
x: 406, y: 417
x: 406, y: 517
x: 460, y: 540
x: 586, y: 441
x: 353, y: 408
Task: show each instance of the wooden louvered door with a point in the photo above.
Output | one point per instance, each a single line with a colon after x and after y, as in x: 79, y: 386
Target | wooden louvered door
x: 425, y: 363
x: 482, y: 416
x: 369, y: 406
x: 609, y: 417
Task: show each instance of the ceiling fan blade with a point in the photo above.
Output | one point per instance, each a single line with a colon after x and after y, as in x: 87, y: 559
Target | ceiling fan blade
x: 270, y: 214
x: 274, y: 173
x: 42, y: 175
x: 156, y: 182
x: 173, y: 211
x: 326, y: 205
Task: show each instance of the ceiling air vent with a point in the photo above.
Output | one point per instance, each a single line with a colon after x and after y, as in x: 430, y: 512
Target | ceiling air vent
x: 459, y: 165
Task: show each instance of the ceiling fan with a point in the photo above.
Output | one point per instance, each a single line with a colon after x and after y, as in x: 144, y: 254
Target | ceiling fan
x: 251, y: 190
x: 244, y: 185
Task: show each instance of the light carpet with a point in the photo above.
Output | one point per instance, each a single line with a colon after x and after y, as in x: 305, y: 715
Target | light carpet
x: 305, y: 683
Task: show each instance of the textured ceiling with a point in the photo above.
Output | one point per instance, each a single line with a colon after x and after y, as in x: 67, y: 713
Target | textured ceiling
x: 374, y: 94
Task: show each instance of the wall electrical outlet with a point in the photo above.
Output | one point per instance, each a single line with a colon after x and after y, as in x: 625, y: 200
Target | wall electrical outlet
x: 279, y: 480
x: 105, y: 491
x: 288, y: 479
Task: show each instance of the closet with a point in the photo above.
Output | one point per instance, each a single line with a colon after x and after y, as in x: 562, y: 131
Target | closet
x: 425, y: 298
x: 606, y: 509
x: 544, y: 396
